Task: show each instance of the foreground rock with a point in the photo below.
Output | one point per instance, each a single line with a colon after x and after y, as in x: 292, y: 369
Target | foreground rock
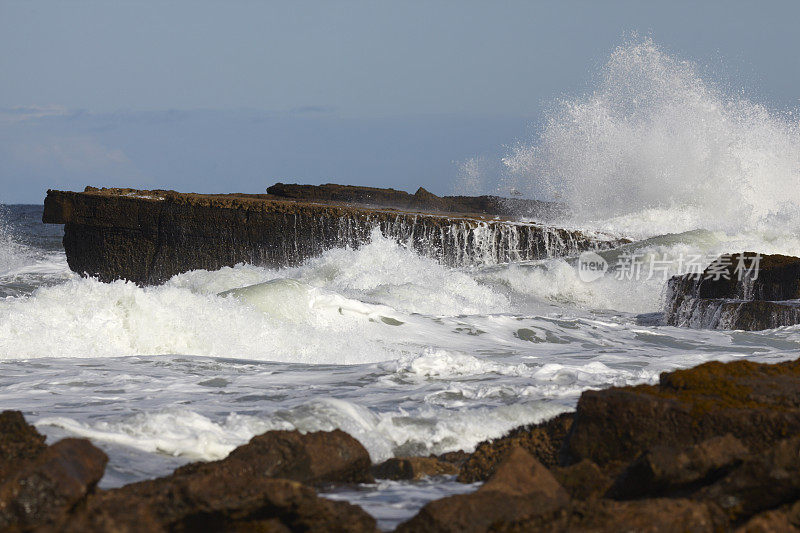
x: 520, y: 487
x: 150, y: 236
x: 259, y: 487
x: 311, y: 458
x: 39, y: 484
x: 739, y: 291
x: 712, y: 448
x: 213, y: 500
x: 542, y: 441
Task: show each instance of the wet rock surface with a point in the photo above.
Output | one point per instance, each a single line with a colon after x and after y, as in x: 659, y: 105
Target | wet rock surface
x: 149, y: 236
x: 746, y: 291
x: 262, y: 486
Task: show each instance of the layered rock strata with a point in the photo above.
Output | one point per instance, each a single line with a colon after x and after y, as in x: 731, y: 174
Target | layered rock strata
x: 745, y: 291
x: 149, y: 236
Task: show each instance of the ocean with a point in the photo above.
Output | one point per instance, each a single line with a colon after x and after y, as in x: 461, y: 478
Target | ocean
x: 407, y: 355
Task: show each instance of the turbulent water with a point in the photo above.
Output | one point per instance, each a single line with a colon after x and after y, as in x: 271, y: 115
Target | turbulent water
x: 405, y: 354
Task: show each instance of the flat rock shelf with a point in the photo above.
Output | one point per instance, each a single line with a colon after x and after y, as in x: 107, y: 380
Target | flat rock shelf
x: 149, y: 236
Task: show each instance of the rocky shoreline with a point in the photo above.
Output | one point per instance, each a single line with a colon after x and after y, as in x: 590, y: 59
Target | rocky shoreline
x: 711, y: 448
x: 149, y: 236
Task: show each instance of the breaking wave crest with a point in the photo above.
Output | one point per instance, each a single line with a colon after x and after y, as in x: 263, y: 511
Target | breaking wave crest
x: 655, y: 148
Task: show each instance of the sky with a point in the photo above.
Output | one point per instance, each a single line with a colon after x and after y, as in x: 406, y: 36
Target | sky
x: 236, y: 95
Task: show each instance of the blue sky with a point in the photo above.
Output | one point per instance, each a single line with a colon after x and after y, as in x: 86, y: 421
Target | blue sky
x: 223, y: 96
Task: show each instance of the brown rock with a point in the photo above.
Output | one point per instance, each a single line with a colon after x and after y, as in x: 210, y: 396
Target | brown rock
x: 756, y: 403
x: 763, y: 482
x: 543, y: 441
x: 768, y: 522
x: 665, y: 471
x: 49, y: 485
x: 583, y: 480
x: 644, y: 516
x: 19, y: 441
x: 149, y: 236
x: 520, y: 487
x: 216, y: 501
x: 313, y: 458
x: 413, y: 468
x: 242, y: 492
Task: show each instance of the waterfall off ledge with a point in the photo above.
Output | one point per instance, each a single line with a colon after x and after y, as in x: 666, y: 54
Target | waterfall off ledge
x: 149, y: 236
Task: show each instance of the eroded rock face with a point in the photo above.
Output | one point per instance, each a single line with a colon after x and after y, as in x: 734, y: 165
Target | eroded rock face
x: 149, y: 236
x: 730, y: 294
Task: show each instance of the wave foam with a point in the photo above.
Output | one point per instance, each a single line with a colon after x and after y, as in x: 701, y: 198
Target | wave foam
x: 658, y: 144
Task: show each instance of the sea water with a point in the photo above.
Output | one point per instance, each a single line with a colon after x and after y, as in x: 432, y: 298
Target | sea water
x: 409, y: 356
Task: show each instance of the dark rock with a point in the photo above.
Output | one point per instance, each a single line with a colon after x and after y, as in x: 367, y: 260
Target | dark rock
x: 757, y: 403
x: 44, y: 488
x: 765, y: 481
x: 786, y: 518
x: 777, y: 277
x: 543, y: 441
x: 242, y: 492
x: 216, y: 501
x: 19, y: 441
x: 644, y: 516
x: 520, y: 487
x: 413, y: 468
x: 313, y: 458
x: 732, y: 294
x: 422, y: 200
x: 582, y: 480
x: 149, y: 236
x: 665, y: 471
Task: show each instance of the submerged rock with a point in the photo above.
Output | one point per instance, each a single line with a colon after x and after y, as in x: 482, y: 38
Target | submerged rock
x: 737, y: 291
